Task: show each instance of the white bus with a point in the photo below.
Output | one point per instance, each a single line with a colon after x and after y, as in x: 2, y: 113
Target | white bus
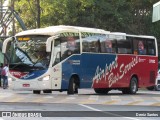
x: 65, y: 58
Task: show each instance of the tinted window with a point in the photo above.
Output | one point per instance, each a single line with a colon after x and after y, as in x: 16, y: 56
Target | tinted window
x: 108, y: 45
x: 93, y: 42
x: 67, y: 44
x: 98, y: 43
x: 124, y: 46
x: 151, y: 47
x: 139, y: 46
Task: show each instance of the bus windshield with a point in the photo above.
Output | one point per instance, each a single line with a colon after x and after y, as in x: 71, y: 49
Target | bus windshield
x: 29, y: 52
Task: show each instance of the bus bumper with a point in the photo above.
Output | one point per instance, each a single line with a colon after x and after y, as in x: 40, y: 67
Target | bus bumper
x: 30, y: 85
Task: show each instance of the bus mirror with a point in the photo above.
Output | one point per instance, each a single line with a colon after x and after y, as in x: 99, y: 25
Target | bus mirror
x: 5, y: 43
x: 48, y: 43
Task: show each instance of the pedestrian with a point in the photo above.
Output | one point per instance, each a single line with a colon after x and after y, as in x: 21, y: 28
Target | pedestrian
x: 1, y: 67
x: 4, y: 74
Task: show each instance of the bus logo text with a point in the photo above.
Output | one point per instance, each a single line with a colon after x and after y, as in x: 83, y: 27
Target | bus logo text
x: 108, y: 71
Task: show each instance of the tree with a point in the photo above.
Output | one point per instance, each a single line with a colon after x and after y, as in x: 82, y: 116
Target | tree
x: 130, y: 16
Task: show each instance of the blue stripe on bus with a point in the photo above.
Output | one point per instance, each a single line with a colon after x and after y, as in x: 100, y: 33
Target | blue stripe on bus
x: 84, y: 66
x: 33, y: 75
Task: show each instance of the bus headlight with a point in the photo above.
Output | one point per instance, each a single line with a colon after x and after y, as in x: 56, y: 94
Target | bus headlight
x: 44, y: 78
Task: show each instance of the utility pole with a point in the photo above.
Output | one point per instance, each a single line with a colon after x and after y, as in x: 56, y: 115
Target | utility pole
x: 13, y: 22
x: 1, y: 7
x: 38, y: 14
x: 1, y: 14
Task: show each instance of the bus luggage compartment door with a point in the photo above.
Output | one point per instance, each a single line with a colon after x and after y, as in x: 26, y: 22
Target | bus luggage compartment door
x: 56, y: 83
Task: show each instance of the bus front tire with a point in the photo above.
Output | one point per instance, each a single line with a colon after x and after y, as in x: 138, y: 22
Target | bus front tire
x: 73, y: 87
x: 36, y: 92
x: 133, y: 86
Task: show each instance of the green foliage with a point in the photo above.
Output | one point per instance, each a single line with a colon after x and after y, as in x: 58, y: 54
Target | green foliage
x: 26, y: 9
x: 130, y: 16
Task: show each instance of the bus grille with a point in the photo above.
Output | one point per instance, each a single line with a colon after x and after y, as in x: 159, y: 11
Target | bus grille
x: 152, y: 77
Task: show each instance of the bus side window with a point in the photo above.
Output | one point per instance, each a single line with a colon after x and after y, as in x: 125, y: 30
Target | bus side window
x: 69, y: 45
x: 141, y: 49
x: 98, y: 46
x: 85, y: 46
x: 57, y: 59
x: 151, y: 47
x: 91, y: 43
x: 124, y: 46
x: 139, y: 45
x: 108, y: 45
x: 135, y: 52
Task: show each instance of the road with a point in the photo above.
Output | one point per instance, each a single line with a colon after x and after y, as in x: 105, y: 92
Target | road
x: 145, y: 105
x: 85, y: 96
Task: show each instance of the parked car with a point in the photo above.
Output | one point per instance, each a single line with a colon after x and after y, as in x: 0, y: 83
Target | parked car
x: 157, y: 84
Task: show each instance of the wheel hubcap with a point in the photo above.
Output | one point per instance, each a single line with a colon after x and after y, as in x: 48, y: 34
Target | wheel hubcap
x: 134, y: 86
x: 74, y: 86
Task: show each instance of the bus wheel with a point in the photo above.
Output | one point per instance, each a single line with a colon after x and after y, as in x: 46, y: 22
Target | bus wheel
x: 36, y: 91
x: 101, y: 90
x: 133, y: 86
x: 73, y: 87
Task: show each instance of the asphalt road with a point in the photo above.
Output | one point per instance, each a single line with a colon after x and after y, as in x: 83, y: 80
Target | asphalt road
x: 87, y: 105
x: 79, y: 111
x: 85, y: 96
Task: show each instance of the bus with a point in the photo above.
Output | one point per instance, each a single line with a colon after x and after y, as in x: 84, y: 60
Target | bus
x: 67, y: 58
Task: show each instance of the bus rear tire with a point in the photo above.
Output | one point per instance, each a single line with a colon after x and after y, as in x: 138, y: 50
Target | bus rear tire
x: 36, y: 92
x: 133, y: 87
x: 73, y: 87
x: 101, y: 90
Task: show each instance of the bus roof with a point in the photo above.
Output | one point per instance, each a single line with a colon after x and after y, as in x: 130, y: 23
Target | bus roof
x: 124, y: 34
x: 52, y: 30
x: 141, y: 36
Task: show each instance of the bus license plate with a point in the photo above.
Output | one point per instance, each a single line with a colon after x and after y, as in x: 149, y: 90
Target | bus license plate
x: 26, y: 85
